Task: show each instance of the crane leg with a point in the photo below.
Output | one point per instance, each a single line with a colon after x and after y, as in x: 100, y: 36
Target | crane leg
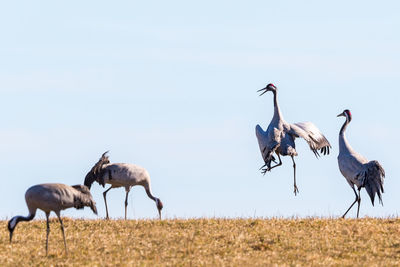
x: 270, y: 168
x: 359, y: 202
x: 62, y: 230
x: 126, y: 202
x: 351, y: 204
x: 296, y: 190
x: 105, y: 201
x: 47, y: 231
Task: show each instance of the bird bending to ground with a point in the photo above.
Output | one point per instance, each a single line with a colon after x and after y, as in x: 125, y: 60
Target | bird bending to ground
x: 53, y: 197
x: 280, y: 136
x: 357, y: 170
x: 120, y: 175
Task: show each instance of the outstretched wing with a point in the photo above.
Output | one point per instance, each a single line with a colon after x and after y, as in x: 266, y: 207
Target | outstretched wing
x: 313, y: 136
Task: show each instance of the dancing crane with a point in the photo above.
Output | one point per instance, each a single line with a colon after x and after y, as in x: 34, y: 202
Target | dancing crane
x: 357, y: 170
x: 53, y: 197
x: 120, y: 175
x: 280, y: 136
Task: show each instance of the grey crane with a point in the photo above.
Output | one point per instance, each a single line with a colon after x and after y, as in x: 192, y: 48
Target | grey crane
x: 280, y: 138
x: 357, y: 170
x: 120, y: 175
x: 53, y: 197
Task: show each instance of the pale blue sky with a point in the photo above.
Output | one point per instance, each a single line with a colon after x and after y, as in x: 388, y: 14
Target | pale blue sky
x: 171, y: 86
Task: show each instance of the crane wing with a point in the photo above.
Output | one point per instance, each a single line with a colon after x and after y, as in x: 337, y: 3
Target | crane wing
x: 267, y: 143
x: 313, y: 136
x: 81, y: 188
x: 267, y: 140
x: 262, y: 139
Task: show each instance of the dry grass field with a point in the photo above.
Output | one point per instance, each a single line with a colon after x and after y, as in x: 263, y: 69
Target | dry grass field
x: 211, y: 242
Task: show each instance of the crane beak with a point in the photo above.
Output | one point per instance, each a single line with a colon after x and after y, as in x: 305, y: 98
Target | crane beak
x: 340, y: 115
x: 93, y: 207
x: 159, y: 213
x: 264, y: 89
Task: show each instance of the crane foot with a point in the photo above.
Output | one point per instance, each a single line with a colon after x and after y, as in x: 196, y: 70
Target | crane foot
x: 296, y: 190
x: 265, y: 170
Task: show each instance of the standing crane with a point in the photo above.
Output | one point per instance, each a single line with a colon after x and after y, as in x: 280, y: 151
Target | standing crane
x: 120, y: 175
x: 53, y: 197
x: 280, y: 136
x: 357, y: 170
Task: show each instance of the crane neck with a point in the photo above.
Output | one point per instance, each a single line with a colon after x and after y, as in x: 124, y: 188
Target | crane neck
x: 149, y: 193
x: 343, y: 143
x: 16, y: 219
x: 344, y: 127
x: 277, y: 110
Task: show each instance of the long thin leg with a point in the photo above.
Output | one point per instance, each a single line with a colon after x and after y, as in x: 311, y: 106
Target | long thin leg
x: 359, y: 201
x: 105, y: 200
x: 47, y: 231
x: 126, y: 202
x: 62, y: 230
x: 268, y: 169
x: 296, y: 190
x: 353, y: 202
x: 267, y: 161
x: 278, y: 164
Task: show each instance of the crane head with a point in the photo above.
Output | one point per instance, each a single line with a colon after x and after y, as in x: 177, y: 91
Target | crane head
x: 11, y: 226
x: 269, y: 87
x: 159, y: 206
x: 346, y: 113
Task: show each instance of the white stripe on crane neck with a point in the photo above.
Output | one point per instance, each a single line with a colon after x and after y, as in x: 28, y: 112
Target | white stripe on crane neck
x: 347, y: 116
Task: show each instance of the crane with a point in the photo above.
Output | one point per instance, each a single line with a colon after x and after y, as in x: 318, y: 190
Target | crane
x: 279, y: 138
x: 357, y: 170
x: 120, y: 175
x: 53, y: 197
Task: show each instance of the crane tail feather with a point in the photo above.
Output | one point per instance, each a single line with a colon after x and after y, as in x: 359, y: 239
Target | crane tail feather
x: 373, y: 176
x: 97, y: 172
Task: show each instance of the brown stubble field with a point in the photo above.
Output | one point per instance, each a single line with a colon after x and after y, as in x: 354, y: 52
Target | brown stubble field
x: 211, y: 242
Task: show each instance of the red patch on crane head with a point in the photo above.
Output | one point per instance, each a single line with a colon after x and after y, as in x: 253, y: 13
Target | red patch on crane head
x: 271, y: 84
